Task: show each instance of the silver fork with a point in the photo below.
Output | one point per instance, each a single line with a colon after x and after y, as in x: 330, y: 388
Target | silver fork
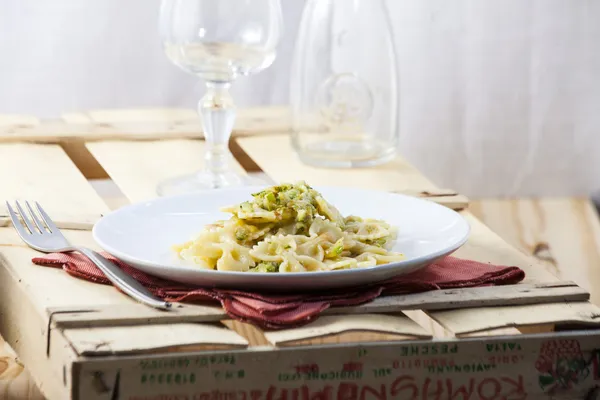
x: 47, y: 238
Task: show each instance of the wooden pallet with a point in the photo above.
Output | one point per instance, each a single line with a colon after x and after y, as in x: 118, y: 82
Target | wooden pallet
x: 88, y: 341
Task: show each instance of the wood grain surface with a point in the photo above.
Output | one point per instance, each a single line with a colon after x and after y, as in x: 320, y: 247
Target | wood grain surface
x: 15, y: 381
x: 44, y: 173
x: 564, y: 234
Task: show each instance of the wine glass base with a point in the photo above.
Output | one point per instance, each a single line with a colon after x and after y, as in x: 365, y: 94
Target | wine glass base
x: 206, y: 181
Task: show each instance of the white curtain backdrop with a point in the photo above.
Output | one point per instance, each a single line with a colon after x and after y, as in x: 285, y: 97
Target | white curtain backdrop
x: 498, y: 97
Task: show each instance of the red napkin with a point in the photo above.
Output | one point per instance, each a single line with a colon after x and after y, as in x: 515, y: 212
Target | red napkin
x: 274, y: 311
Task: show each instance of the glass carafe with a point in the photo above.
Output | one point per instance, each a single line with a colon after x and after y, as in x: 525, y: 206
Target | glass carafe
x: 344, y: 85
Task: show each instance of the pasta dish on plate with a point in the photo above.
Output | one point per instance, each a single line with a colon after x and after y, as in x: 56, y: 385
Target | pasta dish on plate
x: 290, y: 228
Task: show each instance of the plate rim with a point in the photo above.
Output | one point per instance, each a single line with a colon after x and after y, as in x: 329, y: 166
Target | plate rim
x: 288, y: 275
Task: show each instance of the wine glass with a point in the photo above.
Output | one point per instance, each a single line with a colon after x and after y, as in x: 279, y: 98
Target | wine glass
x: 218, y: 41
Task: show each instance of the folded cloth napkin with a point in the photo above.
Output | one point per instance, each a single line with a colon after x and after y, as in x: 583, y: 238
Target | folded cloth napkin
x: 276, y: 311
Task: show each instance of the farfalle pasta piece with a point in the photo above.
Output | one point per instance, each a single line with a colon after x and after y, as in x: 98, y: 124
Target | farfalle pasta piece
x: 234, y: 258
x: 291, y: 264
x: 387, y: 258
x: 290, y: 228
x: 370, y: 249
x: 341, y: 263
x: 329, y: 211
x: 257, y: 215
x: 325, y: 229
x: 366, y: 260
x: 312, y: 248
x: 261, y: 252
x: 309, y: 263
x: 370, y: 232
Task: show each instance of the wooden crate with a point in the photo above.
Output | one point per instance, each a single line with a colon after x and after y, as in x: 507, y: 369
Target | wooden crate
x: 86, y: 341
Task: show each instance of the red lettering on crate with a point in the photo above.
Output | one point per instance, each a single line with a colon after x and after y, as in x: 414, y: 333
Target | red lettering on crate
x: 368, y: 393
x: 255, y: 394
x: 347, y: 391
x: 275, y: 394
x: 489, y: 389
x: 352, y: 367
x: 405, y: 387
x: 461, y: 392
x: 306, y: 368
x: 323, y: 394
x: 425, y: 363
x: 433, y: 394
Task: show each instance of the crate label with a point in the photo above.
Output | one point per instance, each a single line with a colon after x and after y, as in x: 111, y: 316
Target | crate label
x: 442, y: 370
x: 562, y: 364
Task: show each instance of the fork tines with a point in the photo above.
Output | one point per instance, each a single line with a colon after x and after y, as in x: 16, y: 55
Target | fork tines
x: 34, y: 224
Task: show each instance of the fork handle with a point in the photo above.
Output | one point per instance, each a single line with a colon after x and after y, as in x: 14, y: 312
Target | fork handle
x: 124, y: 281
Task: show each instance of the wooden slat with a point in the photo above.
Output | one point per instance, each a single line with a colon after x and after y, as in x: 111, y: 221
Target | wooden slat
x: 435, y: 300
x: 521, y: 294
x: 110, y: 193
x: 349, y: 338
x: 326, y: 326
x: 564, y: 233
x: 257, y: 338
x: 440, y: 332
x: 133, y: 314
x: 283, y: 165
x: 8, y: 120
x: 83, y: 159
x: 260, y: 120
x: 136, y: 124
x: 465, y: 321
x: 138, y: 167
x: 45, y: 174
x: 445, y: 197
x: 145, y: 339
x: 254, y: 335
x: 150, y: 116
x: 484, y: 245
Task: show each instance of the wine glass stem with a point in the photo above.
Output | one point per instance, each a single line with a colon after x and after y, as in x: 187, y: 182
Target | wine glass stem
x: 218, y: 115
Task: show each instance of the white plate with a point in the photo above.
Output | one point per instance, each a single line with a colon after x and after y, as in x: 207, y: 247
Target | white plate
x: 142, y: 235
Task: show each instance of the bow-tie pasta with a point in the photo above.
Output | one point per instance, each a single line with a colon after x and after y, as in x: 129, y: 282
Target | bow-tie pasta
x: 290, y: 228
